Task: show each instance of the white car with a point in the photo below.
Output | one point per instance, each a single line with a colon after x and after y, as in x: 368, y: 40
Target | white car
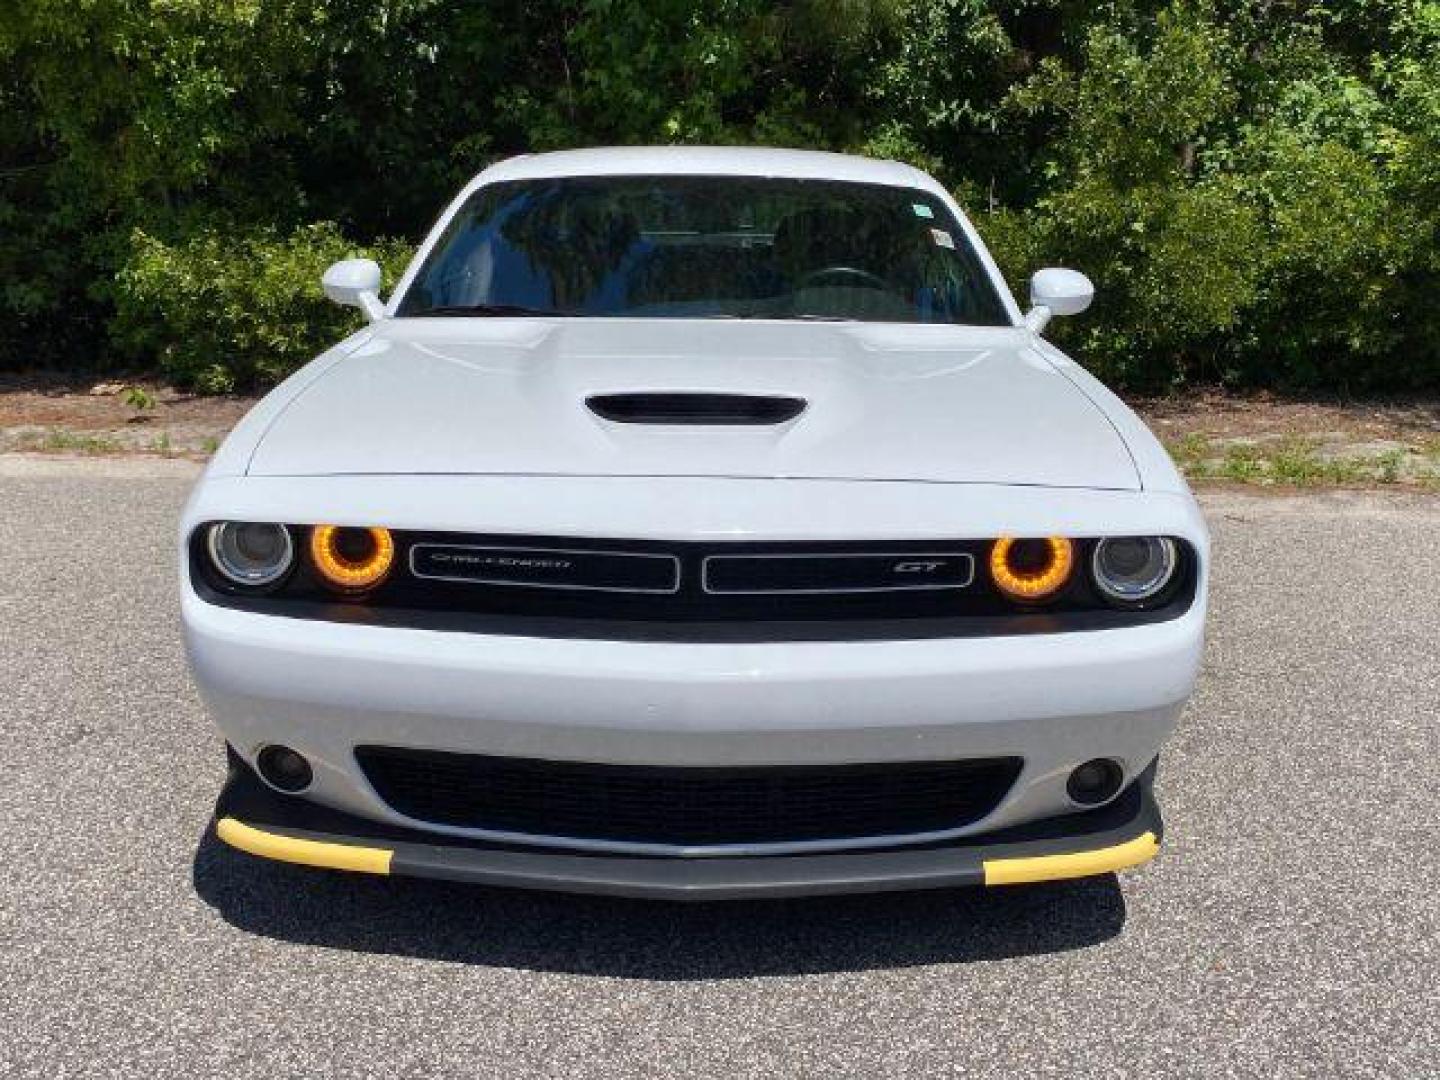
x: 696, y: 523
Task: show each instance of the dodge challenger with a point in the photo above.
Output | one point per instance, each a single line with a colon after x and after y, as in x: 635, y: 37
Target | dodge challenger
x: 695, y: 523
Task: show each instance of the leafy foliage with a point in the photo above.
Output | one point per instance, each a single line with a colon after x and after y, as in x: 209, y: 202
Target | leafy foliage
x: 1254, y: 186
x: 219, y: 310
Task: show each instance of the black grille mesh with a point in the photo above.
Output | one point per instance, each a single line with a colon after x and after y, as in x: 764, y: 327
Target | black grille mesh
x: 686, y: 806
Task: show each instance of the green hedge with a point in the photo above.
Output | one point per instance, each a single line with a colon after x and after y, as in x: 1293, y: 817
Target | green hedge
x: 1254, y: 187
x: 219, y: 311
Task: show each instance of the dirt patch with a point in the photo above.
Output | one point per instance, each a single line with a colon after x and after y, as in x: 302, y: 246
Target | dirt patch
x: 114, y: 415
x: 1265, y: 439
x: 1238, y: 416
x: 1244, y: 438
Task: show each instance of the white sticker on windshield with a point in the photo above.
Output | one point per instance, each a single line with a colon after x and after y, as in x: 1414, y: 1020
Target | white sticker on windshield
x: 943, y: 238
x: 921, y: 210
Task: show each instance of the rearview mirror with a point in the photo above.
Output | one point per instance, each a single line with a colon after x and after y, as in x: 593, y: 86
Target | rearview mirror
x: 355, y: 283
x: 1057, y: 291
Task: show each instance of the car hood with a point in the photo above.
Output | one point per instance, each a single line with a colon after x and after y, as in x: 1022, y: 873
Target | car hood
x: 881, y: 402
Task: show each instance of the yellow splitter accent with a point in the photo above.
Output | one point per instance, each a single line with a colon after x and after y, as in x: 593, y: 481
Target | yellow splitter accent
x: 1076, y: 864
x: 268, y: 845
x: 370, y: 860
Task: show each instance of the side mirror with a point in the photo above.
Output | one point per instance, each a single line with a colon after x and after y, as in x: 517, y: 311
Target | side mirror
x: 355, y: 283
x: 1057, y: 291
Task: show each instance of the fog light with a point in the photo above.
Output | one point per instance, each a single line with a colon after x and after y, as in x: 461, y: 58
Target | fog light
x: 284, y: 768
x: 1095, y: 782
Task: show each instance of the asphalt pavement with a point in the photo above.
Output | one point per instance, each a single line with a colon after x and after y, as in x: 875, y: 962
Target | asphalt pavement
x: 1288, y: 928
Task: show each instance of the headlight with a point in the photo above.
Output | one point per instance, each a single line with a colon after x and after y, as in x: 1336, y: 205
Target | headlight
x: 1134, y: 568
x: 251, y: 553
x: 1031, y: 569
x: 351, y: 560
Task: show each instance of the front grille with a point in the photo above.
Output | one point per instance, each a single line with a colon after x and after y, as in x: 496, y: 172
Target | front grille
x: 614, y: 581
x: 653, y: 590
x: 683, y: 582
x: 685, y: 806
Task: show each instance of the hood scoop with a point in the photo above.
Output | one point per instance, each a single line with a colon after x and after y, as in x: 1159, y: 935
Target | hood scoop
x: 695, y: 408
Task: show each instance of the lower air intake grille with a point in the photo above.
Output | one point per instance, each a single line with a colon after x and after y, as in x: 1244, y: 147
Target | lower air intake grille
x: 686, y: 806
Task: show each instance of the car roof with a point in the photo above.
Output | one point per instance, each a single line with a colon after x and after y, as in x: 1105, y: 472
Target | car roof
x: 707, y: 161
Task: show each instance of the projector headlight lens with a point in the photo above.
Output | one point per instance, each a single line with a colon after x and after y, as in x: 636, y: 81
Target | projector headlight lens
x: 1132, y: 569
x: 1031, y: 569
x: 251, y: 553
x: 350, y: 559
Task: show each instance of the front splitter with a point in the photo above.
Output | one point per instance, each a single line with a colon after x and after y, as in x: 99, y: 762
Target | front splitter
x: 253, y: 818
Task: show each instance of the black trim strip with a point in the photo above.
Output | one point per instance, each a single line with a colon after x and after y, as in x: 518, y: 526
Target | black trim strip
x: 700, y: 631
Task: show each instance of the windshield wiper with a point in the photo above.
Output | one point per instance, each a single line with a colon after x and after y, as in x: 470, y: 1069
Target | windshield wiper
x: 773, y: 316
x: 482, y: 310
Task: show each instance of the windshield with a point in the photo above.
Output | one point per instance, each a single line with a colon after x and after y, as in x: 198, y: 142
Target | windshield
x: 705, y: 247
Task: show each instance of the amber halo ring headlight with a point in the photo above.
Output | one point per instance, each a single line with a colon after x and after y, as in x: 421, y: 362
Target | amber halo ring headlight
x: 351, y: 559
x: 252, y: 554
x: 1031, y: 569
x: 1133, y: 569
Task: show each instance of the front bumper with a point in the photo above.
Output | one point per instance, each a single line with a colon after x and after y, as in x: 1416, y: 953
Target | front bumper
x: 1125, y: 833
x: 1052, y: 700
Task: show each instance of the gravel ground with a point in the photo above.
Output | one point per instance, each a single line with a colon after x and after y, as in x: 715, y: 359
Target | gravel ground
x: 1289, y: 928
